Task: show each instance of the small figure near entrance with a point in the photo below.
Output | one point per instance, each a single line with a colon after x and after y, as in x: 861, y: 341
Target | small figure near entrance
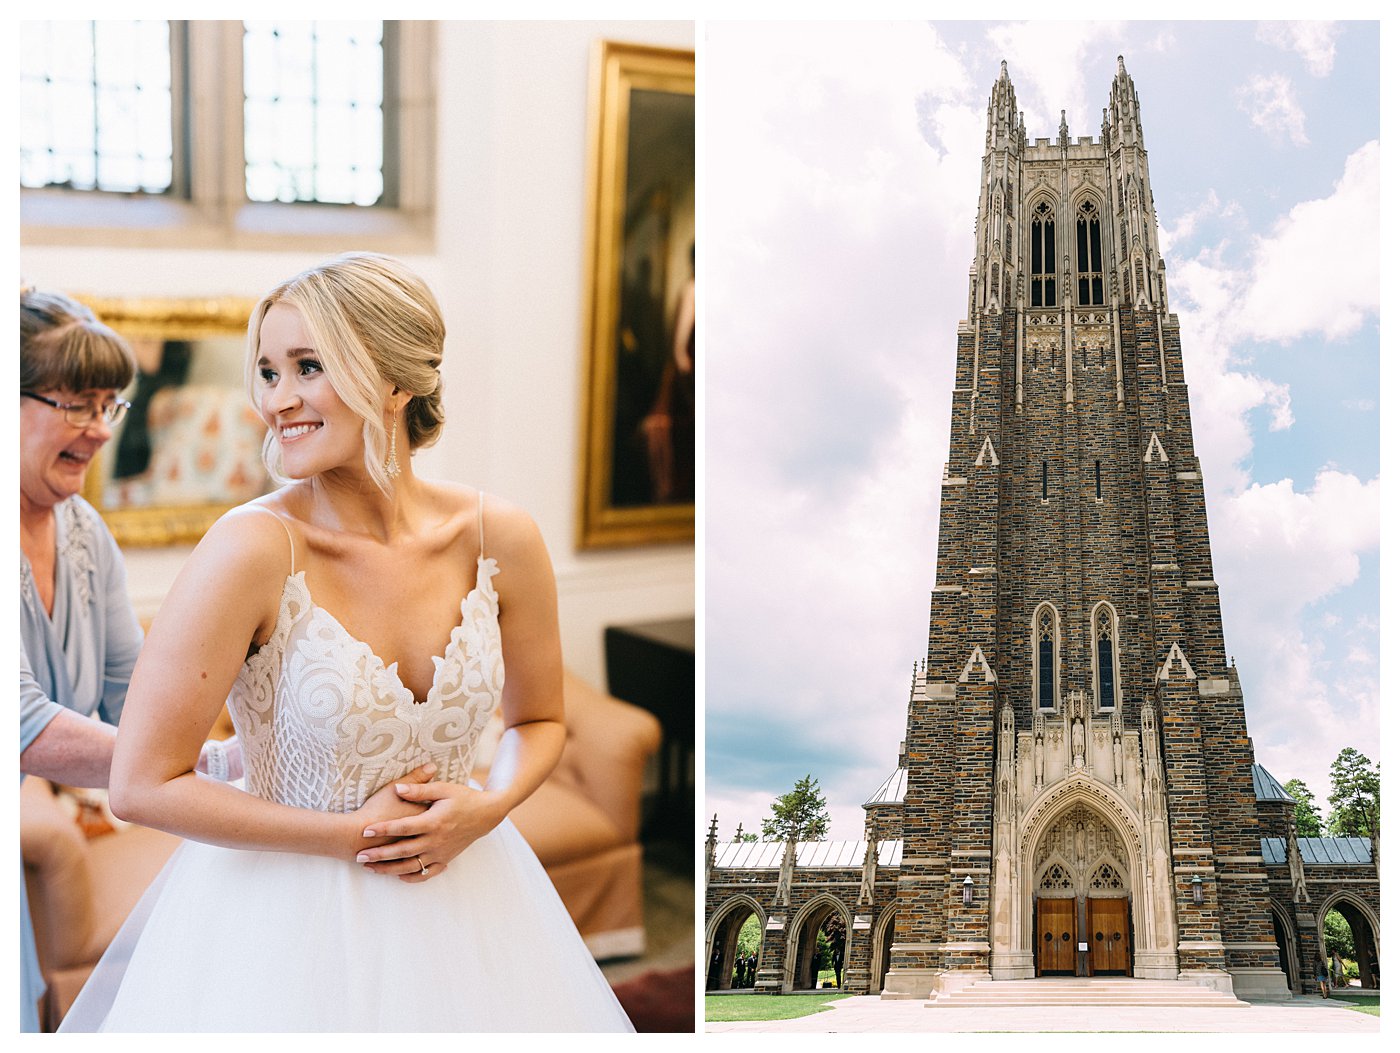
x: 1339, y: 971
x: 838, y: 958
x: 750, y: 969
x: 1320, y: 974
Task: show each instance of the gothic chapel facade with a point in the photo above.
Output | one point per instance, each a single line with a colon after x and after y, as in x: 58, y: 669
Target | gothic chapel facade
x: 1076, y: 661
x: 1077, y: 791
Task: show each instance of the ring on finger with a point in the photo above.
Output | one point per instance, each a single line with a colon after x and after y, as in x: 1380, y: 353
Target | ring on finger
x: 422, y: 867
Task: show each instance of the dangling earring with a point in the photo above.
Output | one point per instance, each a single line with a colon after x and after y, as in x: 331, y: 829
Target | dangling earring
x: 391, y: 463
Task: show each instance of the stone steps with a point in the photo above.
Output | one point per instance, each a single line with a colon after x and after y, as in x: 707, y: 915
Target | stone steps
x: 1085, y: 991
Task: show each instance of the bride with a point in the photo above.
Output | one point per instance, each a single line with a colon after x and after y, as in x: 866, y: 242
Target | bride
x: 362, y: 625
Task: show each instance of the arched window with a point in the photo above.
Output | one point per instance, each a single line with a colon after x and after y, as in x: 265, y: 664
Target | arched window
x: 1089, y: 256
x: 1045, y: 656
x: 1043, y: 256
x: 1105, y: 655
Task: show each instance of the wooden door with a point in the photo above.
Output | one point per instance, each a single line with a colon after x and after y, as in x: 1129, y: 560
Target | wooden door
x: 1055, y: 936
x: 1108, y: 936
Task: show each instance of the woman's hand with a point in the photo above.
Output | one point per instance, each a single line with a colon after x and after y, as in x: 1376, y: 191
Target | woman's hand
x: 385, y: 806
x: 424, y: 843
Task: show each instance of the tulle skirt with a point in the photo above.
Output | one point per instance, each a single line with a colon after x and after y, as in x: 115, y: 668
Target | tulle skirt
x: 229, y: 940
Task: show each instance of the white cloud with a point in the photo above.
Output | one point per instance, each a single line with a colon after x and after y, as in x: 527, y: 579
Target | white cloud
x: 1279, y: 552
x: 1328, y: 249
x: 820, y: 362
x: 1271, y: 106
x: 1316, y: 42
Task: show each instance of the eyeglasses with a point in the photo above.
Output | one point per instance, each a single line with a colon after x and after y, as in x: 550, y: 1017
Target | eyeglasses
x: 82, y: 414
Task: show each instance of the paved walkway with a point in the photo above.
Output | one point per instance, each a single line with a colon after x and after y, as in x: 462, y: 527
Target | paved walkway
x: 870, y: 1013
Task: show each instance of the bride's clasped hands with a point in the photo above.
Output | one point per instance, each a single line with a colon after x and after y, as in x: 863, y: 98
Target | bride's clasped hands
x: 420, y: 846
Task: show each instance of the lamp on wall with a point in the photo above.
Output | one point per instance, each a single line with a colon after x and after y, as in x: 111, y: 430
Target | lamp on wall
x: 967, y: 891
x: 1197, y: 890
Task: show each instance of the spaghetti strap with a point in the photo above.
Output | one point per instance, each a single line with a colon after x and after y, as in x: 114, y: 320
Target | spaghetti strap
x: 481, y: 523
x: 290, y: 543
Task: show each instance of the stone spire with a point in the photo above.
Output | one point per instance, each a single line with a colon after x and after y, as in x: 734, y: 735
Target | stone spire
x: 1125, y: 114
x: 993, y: 270
x: 1003, y: 118
x: 711, y: 843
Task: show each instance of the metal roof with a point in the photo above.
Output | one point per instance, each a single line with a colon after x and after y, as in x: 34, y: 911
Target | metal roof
x: 892, y: 790
x: 1319, y: 850
x: 1266, y: 787
x: 758, y: 855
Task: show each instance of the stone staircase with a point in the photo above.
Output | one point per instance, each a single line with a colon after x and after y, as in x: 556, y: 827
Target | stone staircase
x: 1084, y: 991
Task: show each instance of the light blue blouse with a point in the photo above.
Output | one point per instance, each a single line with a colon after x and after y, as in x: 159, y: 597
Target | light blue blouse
x: 81, y: 658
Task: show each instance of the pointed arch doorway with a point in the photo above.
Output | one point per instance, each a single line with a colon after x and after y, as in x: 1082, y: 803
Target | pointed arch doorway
x: 1083, y: 910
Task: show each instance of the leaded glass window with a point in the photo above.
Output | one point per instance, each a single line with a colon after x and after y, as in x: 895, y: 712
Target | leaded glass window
x: 96, y: 106
x: 1045, y: 641
x: 1089, y: 255
x: 1106, y: 656
x: 313, y: 111
x: 1043, y: 256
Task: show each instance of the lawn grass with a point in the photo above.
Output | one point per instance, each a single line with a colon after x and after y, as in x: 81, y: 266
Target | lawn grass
x: 1368, y: 1004
x: 729, y: 1008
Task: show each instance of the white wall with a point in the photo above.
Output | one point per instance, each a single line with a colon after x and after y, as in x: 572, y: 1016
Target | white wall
x: 512, y: 153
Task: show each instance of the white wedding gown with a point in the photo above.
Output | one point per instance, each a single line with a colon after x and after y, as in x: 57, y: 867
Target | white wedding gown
x: 239, y: 940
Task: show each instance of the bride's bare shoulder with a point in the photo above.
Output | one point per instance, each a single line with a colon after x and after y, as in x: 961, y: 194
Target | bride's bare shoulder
x: 508, y: 531
x: 251, y: 539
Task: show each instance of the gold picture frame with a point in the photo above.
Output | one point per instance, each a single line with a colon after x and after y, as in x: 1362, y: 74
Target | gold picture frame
x: 211, y: 335
x: 637, y: 454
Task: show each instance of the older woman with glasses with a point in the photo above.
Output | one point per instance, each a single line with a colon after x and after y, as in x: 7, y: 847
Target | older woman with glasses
x: 79, y: 636
x: 78, y: 633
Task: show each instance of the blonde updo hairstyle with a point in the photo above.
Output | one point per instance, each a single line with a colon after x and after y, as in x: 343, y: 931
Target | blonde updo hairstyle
x: 63, y: 347
x: 371, y: 321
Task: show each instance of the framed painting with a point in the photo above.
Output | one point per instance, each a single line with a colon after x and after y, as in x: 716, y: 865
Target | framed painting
x: 637, y: 470
x: 190, y: 447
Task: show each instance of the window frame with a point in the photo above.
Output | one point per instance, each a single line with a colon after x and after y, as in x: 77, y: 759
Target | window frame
x: 1115, y: 652
x: 1043, y: 270
x: 1088, y: 244
x: 1036, y: 672
x: 207, y: 63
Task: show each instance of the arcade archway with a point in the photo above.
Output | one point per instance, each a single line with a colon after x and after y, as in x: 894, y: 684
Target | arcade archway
x: 823, y: 925
x: 726, y: 967
x: 1360, y: 926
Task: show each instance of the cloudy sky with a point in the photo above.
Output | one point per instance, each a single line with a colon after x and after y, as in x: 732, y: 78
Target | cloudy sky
x: 842, y: 164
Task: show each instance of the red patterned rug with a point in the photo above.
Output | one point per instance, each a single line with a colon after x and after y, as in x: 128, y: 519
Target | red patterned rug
x: 660, y: 1001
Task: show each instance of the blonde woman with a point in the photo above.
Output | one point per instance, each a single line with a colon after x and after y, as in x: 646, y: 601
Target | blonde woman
x: 362, y: 624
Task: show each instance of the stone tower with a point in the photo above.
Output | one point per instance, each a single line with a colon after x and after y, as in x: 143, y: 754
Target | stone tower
x: 1080, y: 796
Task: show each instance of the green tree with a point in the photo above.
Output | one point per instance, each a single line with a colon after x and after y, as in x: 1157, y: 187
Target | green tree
x: 799, y: 814
x: 1355, y: 796
x: 739, y: 834
x: 1309, y: 818
x: 750, y: 936
x: 1338, y: 935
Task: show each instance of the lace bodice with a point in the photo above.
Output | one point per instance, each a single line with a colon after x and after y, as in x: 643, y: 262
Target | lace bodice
x: 324, y: 722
